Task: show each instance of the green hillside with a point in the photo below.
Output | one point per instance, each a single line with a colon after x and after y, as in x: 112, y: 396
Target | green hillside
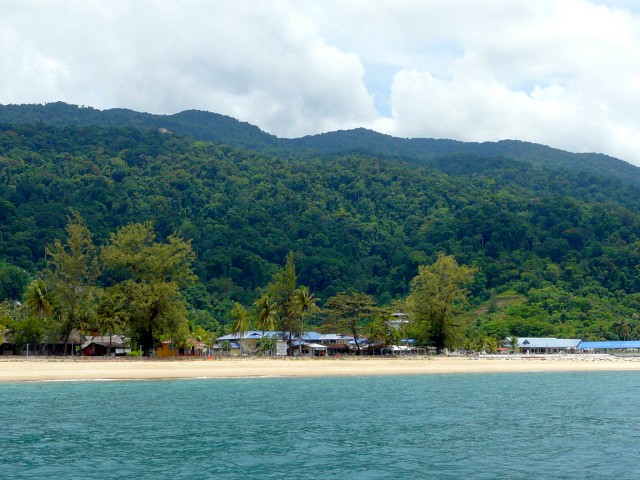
x: 223, y: 129
x: 566, y: 246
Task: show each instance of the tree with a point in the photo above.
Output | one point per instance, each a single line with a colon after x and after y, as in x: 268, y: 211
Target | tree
x: 109, y: 317
x: 348, y: 310
x: 150, y: 278
x: 37, y: 304
x: 13, y: 281
x: 283, y: 290
x: 241, y: 323
x: 267, y: 316
x: 622, y: 328
x: 36, y: 298
x: 305, y: 304
x: 72, y: 271
x: 436, y: 299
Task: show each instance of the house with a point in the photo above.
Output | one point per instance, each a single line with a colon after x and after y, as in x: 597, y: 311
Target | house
x: 533, y: 345
x: 309, y: 349
x: 249, y: 343
x: 7, y: 342
x: 99, y: 345
x: 193, y: 348
x: 245, y: 343
x: 72, y: 344
x: 398, y: 320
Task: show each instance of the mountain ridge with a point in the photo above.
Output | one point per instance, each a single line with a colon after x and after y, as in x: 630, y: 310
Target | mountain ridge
x: 218, y: 128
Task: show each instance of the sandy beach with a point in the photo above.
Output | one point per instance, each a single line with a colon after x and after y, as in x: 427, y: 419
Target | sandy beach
x: 34, y: 369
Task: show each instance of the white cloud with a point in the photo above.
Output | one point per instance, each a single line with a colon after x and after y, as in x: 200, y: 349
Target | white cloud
x: 560, y: 72
x: 568, y: 79
x: 262, y: 62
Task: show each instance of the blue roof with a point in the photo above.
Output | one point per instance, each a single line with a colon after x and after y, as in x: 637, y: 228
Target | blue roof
x: 257, y: 334
x: 547, y: 342
x: 609, y: 345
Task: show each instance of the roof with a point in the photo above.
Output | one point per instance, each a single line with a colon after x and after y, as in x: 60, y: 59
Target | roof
x: 316, y: 346
x: 117, y: 341
x: 327, y: 337
x: 548, y: 342
x: 609, y: 345
x: 257, y: 334
x: 306, y: 336
x: 232, y: 346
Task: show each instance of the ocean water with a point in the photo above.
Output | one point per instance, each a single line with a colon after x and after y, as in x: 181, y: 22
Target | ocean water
x: 543, y: 425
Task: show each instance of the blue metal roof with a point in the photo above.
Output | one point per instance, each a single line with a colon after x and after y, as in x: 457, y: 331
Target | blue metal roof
x: 547, y: 342
x: 609, y: 345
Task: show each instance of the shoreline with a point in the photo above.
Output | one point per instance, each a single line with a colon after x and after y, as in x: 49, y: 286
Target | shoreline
x: 33, y: 369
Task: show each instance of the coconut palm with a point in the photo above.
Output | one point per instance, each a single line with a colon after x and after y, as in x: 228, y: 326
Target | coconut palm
x: 305, y: 303
x: 267, y: 316
x: 623, y: 328
x: 513, y: 343
x: 241, y: 324
x: 36, y: 299
x: 37, y: 303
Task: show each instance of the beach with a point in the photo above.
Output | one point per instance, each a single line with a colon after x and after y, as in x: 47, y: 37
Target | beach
x: 22, y: 369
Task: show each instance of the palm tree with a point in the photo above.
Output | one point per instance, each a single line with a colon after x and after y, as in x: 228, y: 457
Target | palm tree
x: 241, y: 325
x: 305, y: 303
x: 37, y: 303
x: 623, y: 328
x: 110, y: 325
x: 267, y: 315
x: 513, y: 343
x: 36, y: 299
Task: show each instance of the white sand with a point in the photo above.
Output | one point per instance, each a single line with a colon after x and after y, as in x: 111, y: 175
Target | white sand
x: 18, y: 369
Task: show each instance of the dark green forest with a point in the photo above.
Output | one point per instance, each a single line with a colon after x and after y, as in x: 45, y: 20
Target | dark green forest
x: 554, y: 237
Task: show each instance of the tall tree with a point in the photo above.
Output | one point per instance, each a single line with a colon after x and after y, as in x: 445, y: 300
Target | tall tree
x: 72, y: 270
x: 267, y: 315
x: 348, y: 311
x: 241, y: 323
x: 38, y: 307
x: 438, y: 295
x: 109, y: 319
x: 283, y: 290
x: 305, y: 305
x: 151, y: 277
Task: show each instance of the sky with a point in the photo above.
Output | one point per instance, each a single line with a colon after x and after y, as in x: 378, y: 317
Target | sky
x: 564, y: 73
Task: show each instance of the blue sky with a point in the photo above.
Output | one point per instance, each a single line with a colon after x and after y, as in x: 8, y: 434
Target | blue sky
x: 565, y: 73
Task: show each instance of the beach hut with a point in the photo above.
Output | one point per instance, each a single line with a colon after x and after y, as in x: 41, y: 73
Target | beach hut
x: 7, y: 342
x: 310, y: 349
x: 100, y: 345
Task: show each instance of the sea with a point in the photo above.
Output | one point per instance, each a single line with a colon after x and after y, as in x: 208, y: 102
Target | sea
x: 471, y: 426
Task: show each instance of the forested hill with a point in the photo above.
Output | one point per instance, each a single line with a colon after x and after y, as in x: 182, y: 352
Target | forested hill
x: 556, y: 254
x: 223, y: 129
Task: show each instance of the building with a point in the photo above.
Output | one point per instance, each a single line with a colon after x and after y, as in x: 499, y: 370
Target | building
x: 628, y: 346
x: 98, y: 345
x: 535, y: 345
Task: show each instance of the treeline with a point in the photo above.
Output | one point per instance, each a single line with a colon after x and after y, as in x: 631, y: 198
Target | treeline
x: 133, y: 284
x: 555, y: 255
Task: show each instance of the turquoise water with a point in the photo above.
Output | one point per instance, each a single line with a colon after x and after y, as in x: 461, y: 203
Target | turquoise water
x: 544, y: 425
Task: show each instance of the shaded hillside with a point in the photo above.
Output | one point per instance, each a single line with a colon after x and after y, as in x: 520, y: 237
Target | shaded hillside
x: 367, y: 142
x: 223, y: 129
x: 200, y: 125
x: 569, y: 244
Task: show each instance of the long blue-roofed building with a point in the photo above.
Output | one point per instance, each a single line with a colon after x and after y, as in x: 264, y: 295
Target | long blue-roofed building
x: 618, y: 346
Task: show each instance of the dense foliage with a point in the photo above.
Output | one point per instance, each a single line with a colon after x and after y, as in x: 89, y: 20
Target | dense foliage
x: 556, y: 250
